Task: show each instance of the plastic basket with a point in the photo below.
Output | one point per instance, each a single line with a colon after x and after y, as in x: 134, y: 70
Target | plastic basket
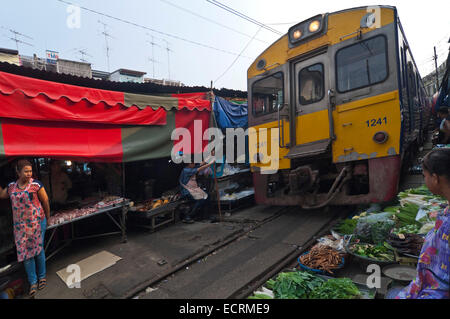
x: 366, y: 261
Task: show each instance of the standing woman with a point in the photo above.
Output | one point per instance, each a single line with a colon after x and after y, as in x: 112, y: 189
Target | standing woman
x: 433, y: 268
x: 30, y: 207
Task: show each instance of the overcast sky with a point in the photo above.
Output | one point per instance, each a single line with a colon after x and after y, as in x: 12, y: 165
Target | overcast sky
x: 219, y: 36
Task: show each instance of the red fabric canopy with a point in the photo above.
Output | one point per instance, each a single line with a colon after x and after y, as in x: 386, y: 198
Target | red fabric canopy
x: 51, y: 119
x: 62, y: 140
x: 10, y: 83
x: 41, y: 108
x: 33, y: 99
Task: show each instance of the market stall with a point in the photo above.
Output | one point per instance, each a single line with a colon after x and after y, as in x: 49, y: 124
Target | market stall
x: 234, y: 179
x: 390, y: 237
x: 107, y: 206
x: 44, y: 120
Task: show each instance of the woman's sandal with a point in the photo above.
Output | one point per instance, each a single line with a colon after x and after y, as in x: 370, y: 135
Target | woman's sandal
x: 42, y: 283
x: 33, y: 290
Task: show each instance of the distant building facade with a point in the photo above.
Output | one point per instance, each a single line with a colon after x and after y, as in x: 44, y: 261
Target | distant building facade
x: 163, y: 82
x: 126, y: 75
x: 430, y: 80
x: 77, y: 68
x: 100, y: 75
x: 74, y: 68
x: 61, y: 66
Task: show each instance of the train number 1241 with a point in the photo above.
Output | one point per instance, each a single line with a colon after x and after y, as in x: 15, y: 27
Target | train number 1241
x: 375, y: 122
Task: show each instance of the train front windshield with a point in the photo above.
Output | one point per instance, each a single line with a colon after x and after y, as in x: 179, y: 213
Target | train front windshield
x: 267, y: 94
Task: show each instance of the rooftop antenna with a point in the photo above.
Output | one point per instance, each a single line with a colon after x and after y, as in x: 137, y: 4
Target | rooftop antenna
x: 168, y: 55
x: 107, y: 35
x: 83, y: 53
x: 15, y: 39
x: 153, y: 44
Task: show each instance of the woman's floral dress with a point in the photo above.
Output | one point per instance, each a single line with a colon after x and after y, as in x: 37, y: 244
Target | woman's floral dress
x: 433, y: 268
x: 27, y: 216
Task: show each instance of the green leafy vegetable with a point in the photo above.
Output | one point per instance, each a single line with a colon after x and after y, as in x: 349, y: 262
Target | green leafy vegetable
x: 270, y: 284
x: 380, y: 252
x: 346, y: 226
x: 295, y: 285
x: 406, y: 215
x: 260, y: 296
x: 408, y: 229
x: 336, y: 288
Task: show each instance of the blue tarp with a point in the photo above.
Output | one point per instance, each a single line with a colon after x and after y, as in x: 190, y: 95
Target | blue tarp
x: 230, y: 115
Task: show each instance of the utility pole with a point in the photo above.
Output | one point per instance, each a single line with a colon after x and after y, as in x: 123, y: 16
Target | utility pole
x: 436, y: 66
x: 106, y: 34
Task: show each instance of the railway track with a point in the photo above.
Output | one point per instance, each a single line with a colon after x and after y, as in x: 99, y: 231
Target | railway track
x: 234, y: 268
x: 179, y: 267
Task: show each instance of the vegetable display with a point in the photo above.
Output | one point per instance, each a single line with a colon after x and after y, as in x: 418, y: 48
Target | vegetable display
x: 381, y: 252
x: 422, y: 190
x: 322, y: 257
x: 406, y: 215
x: 294, y: 285
x: 336, y: 288
x: 408, y: 229
x: 407, y: 244
x: 346, y: 227
x: 304, y: 285
x: 374, y: 228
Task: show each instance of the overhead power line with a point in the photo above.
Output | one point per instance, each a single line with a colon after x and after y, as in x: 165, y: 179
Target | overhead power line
x: 282, y: 23
x: 243, y: 16
x: 210, y: 20
x: 153, y: 30
x: 238, y: 56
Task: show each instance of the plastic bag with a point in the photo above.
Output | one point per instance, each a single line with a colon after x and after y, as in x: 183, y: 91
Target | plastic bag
x: 427, y: 227
x: 337, y: 244
x: 374, y: 228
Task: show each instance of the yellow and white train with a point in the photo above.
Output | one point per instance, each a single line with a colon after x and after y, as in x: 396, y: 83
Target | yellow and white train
x: 342, y: 97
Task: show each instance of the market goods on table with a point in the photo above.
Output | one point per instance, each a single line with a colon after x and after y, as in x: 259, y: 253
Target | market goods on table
x: 374, y: 228
x: 304, y: 285
x: 336, y: 288
x: 155, y: 203
x: 408, y: 229
x: 63, y: 216
x: 379, y: 252
x: 346, y: 226
x: 406, y: 244
x: 293, y: 285
x: 323, y: 258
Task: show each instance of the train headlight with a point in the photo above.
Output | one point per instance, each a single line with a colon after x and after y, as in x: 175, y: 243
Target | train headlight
x: 297, y: 34
x: 314, y: 26
x: 381, y: 137
x: 307, y: 29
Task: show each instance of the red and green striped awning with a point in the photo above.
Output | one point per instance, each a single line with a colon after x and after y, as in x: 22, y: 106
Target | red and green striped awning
x: 48, y: 119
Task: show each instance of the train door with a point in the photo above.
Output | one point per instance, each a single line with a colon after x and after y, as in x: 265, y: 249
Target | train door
x: 309, y: 96
x: 366, y: 116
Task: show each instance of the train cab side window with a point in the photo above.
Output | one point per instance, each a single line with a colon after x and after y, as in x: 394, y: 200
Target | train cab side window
x: 267, y: 94
x: 362, y: 64
x: 311, y: 84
